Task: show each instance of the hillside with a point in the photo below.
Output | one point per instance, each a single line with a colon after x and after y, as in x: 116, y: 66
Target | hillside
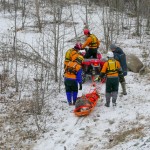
x: 37, y: 116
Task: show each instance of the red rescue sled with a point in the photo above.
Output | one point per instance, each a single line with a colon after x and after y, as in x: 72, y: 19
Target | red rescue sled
x: 88, y: 103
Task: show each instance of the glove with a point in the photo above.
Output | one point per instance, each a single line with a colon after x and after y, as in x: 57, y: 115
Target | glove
x: 80, y: 86
x: 80, y: 53
x: 86, y: 49
x: 121, y: 78
x: 98, y: 79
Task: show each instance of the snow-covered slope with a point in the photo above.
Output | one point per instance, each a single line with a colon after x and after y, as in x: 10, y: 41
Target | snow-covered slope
x: 125, y: 127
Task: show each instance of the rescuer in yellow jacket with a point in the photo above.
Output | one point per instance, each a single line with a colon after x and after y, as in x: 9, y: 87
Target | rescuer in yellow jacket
x: 92, y: 42
x: 72, y: 53
x: 112, y: 70
x: 73, y: 76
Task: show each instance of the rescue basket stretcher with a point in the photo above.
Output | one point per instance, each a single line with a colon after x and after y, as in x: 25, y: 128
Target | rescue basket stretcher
x: 87, y: 105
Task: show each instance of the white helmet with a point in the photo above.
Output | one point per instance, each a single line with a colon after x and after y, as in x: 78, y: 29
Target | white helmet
x: 110, y: 54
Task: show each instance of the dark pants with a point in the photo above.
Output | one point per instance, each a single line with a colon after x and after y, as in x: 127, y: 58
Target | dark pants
x: 71, y: 85
x: 91, y: 52
x: 112, y: 84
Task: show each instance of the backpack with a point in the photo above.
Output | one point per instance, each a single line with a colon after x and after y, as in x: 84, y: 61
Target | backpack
x: 71, y: 68
x: 112, y: 67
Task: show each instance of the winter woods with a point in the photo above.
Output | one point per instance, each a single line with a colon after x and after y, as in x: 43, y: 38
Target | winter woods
x: 34, y: 36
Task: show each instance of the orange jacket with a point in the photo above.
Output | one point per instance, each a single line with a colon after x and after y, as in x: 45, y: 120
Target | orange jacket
x: 71, y: 69
x: 91, y: 41
x: 70, y: 55
x: 106, y: 66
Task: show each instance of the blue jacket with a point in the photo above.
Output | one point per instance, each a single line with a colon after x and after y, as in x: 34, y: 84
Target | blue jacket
x: 79, y: 76
x: 121, y: 57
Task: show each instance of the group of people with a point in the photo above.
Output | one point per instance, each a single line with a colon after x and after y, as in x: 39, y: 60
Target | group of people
x: 73, y: 68
x: 115, y: 68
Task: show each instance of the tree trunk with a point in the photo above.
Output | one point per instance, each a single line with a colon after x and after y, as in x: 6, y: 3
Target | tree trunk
x: 38, y: 15
x: 15, y: 47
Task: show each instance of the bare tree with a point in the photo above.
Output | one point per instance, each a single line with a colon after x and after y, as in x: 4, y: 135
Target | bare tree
x: 24, y: 4
x: 57, y: 21
x: 73, y: 24
x: 137, y: 4
x: 86, y: 14
x: 37, y: 5
x: 15, y: 47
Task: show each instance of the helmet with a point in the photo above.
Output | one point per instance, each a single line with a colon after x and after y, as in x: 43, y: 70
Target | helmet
x: 86, y: 31
x: 79, y: 59
x: 78, y: 46
x: 110, y: 54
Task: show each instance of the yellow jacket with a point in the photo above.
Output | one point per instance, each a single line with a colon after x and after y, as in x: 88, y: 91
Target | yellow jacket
x: 70, y: 55
x: 105, y: 69
x: 91, y: 41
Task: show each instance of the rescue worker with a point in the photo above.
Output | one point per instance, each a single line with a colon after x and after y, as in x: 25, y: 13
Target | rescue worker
x: 92, y: 42
x: 72, y: 53
x: 121, y: 57
x: 73, y: 76
x: 111, y: 69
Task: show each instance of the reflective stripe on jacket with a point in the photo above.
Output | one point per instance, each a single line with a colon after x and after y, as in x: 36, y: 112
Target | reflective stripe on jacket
x: 71, y: 70
x: 108, y: 71
x: 71, y: 55
x: 91, y: 41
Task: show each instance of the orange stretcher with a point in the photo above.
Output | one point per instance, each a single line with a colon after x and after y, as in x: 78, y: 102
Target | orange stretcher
x: 86, y: 109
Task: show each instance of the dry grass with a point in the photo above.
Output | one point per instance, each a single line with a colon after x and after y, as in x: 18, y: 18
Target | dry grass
x: 14, y: 126
x: 124, y: 136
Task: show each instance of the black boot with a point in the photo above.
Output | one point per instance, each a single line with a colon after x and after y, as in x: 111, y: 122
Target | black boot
x: 108, y: 96
x: 123, y: 85
x: 70, y: 104
x: 107, y: 104
x: 114, y: 97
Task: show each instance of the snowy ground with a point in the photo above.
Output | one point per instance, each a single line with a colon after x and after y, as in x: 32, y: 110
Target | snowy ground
x: 126, y: 127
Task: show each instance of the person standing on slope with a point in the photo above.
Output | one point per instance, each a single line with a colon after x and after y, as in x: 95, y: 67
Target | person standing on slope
x: 121, y: 57
x: 73, y: 76
x: 112, y: 70
x: 92, y: 42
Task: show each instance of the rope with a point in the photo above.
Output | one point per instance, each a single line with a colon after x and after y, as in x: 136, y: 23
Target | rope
x: 94, y: 84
